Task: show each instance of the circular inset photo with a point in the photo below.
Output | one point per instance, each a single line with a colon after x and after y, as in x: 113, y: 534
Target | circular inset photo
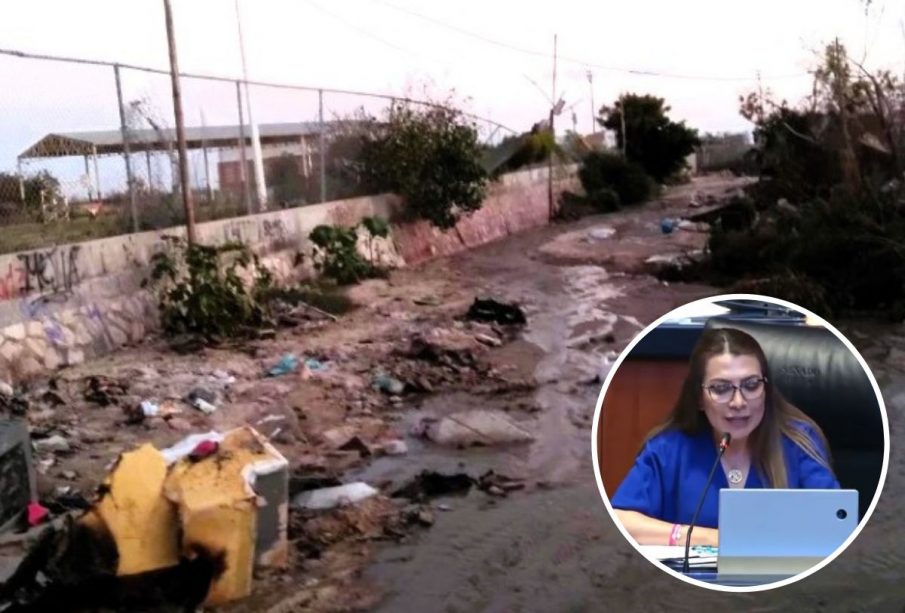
x: 740, y: 442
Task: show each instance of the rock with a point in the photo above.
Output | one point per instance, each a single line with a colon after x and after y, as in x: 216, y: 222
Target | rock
x: 424, y: 517
x: 52, y: 359
x: 35, y: 329
x: 75, y: 357
x: 15, y: 332
x: 69, y: 475
x: 6, y: 389
x: 29, y: 367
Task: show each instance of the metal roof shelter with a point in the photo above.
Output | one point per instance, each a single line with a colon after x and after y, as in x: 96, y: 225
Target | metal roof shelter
x: 106, y: 142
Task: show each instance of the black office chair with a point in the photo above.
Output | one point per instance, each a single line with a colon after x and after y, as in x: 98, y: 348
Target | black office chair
x: 817, y: 373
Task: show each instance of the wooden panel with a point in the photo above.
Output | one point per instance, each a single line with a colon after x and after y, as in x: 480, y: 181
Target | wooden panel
x: 640, y: 396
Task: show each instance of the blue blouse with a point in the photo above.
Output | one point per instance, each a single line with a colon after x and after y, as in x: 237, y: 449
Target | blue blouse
x: 670, y: 472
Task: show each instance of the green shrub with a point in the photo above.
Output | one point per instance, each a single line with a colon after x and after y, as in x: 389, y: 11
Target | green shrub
x: 607, y: 171
x: 201, y: 291
x: 604, y: 200
x: 431, y: 157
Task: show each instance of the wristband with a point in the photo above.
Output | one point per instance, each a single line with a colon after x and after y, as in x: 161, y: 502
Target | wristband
x: 675, y: 535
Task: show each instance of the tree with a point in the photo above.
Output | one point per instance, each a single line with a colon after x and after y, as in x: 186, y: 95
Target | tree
x: 657, y: 143
x: 34, y: 185
x: 431, y: 158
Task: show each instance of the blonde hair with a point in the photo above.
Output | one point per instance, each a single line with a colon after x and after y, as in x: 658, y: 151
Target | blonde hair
x: 781, y: 418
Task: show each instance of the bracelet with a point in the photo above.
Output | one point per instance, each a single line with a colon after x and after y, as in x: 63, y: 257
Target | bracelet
x: 676, y: 534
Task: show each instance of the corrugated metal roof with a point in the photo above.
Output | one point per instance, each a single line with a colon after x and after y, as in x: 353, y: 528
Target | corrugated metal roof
x: 103, y: 142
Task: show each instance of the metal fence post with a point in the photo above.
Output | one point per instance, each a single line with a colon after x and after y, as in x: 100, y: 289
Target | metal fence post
x: 243, y: 167
x: 127, y: 153
x: 323, y: 129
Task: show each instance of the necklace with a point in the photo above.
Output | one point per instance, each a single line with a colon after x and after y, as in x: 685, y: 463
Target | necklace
x: 735, y: 476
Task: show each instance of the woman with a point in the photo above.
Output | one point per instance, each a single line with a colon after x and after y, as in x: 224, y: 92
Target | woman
x: 774, y: 444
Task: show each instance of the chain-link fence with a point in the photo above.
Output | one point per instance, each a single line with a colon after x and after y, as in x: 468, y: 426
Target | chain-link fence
x: 93, y: 152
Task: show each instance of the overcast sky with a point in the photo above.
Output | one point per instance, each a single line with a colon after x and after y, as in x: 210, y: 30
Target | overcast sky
x: 496, y: 55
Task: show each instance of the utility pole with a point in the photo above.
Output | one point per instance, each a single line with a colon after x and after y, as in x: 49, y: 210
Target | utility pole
x: 257, y: 154
x: 127, y: 152
x: 593, y: 110
x: 180, y: 129
x: 622, y: 120
x: 553, y: 110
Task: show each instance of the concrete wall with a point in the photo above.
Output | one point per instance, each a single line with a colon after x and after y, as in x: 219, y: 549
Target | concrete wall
x: 63, y: 305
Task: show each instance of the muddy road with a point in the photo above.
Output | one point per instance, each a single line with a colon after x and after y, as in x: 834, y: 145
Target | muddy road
x: 554, y: 548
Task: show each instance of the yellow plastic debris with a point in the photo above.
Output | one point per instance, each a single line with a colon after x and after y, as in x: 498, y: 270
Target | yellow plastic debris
x: 134, y: 511
x: 219, y: 509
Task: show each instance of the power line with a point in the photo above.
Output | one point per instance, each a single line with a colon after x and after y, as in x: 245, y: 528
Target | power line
x: 233, y: 80
x: 572, y: 60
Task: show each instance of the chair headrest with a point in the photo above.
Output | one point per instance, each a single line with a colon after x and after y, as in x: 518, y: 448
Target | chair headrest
x: 816, y: 372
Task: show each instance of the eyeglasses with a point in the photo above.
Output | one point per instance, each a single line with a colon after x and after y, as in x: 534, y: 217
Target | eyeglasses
x: 722, y: 392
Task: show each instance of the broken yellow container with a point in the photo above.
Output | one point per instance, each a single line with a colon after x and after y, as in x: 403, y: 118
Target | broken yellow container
x: 135, y: 513
x: 233, y: 505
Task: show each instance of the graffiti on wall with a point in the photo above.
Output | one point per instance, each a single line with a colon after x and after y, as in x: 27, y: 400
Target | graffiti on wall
x: 46, y: 271
x: 270, y: 231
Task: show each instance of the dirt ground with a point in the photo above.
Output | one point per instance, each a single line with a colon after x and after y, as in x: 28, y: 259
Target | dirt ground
x: 549, y: 545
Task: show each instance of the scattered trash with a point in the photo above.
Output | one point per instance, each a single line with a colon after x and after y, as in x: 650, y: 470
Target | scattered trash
x: 427, y: 301
x: 693, y: 226
x: 601, y: 234
x: 315, y: 365
x: 472, y: 428
x: 55, y: 444
x: 223, y: 377
x: 287, y: 364
x: 184, y: 447
x: 203, y: 400
x: 203, y: 450
x: 69, y: 475
x: 429, y: 484
x: 490, y: 341
x: 149, y: 408
x: 104, y: 390
x: 331, y: 497
x: 499, y: 312
x: 499, y: 485
x: 444, y: 507
x: 388, y: 384
x: 6, y: 390
x: 395, y: 447
x: 667, y: 225
x: 36, y: 513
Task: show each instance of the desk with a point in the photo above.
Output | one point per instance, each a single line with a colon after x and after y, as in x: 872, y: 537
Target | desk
x: 704, y: 566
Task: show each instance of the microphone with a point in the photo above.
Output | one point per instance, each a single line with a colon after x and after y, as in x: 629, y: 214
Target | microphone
x: 724, y: 444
